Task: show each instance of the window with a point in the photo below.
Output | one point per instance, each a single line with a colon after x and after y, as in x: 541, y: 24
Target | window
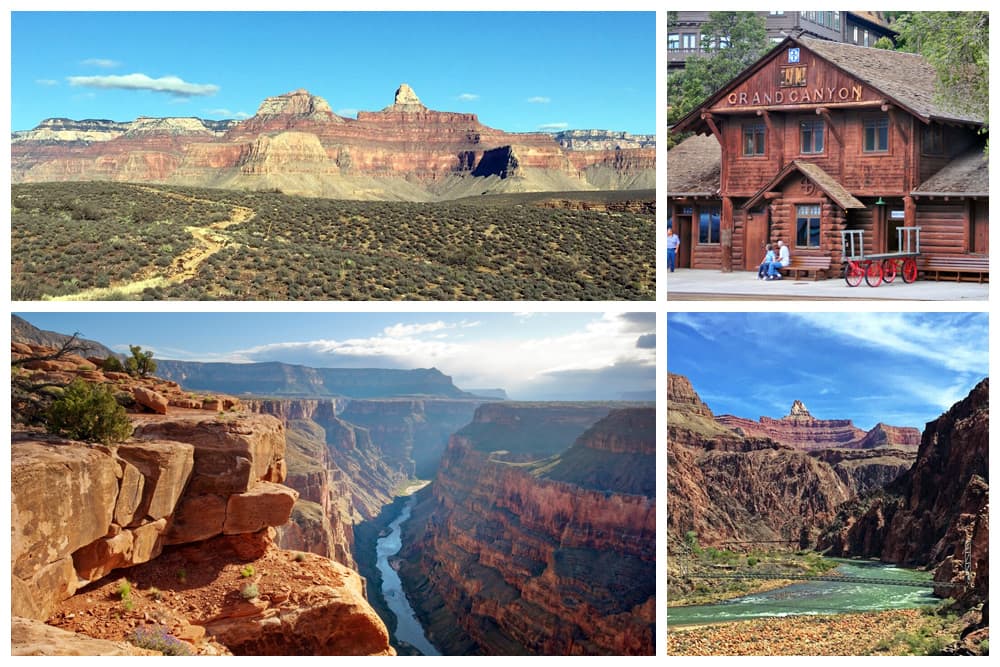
x: 855, y: 40
x: 777, y: 13
x: 876, y: 139
x: 689, y: 41
x: 708, y: 225
x: 934, y: 140
x: 866, y: 38
x: 753, y: 139
x: 836, y: 20
x: 673, y: 41
x: 811, y: 134
x: 807, y: 226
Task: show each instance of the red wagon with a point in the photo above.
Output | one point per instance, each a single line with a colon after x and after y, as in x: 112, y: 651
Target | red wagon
x: 874, y: 269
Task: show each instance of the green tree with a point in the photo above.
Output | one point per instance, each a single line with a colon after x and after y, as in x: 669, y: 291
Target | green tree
x: 736, y: 40
x: 958, y: 45
x: 141, y: 363
x: 90, y: 413
x: 113, y: 364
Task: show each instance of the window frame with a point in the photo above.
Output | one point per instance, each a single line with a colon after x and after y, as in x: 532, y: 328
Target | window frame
x: 809, y: 217
x: 813, y: 123
x: 715, y: 225
x: 755, y: 127
x: 876, y: 124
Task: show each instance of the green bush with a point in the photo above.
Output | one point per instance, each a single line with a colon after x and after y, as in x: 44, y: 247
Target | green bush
x: 141, y: 363
x: 113, y: 364
x: 90, y: 413
x: 249, y: 592
x: 247, y: 571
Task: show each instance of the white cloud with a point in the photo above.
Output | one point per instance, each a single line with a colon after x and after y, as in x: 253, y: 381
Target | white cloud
x: 46, y: 82
x: 538, y: 99
x: 226, y: 113
x: 604, y: 347
x: 468, y: 97
x: 549, y: 127
x: 957, y: 344
x: 101, y: 62
x: 167, y: 84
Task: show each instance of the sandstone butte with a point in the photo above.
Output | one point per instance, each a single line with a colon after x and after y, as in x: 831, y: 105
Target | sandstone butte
x: 561, y: 560
x: 297, y: 144
x: 179, y: 509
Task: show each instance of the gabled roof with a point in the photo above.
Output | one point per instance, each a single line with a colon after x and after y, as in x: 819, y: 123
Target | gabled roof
x: 906, y: 79
x: 694, y: 167
x: 967, y: 175
x: 824, y: 181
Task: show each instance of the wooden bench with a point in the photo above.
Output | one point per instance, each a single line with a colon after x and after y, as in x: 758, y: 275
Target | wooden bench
x: 955, y: 267
x: 806, y: 265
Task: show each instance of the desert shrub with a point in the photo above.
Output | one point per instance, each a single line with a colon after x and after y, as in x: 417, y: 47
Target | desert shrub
x: 90, y: 413
x: 112, y: 364
x: 249, y: 592
x: 156, y: 638
x: 140, y: 364
x: 247, y: 571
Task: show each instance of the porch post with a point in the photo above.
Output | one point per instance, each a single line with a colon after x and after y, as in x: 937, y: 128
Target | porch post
x: 726, y: 234
x: 909, y: 212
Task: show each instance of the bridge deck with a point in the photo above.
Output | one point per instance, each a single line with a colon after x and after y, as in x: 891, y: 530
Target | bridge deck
x: 830, y: 577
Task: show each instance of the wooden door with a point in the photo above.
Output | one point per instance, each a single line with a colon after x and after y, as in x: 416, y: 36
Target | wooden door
x: 756, y: 237
x: 980, y: 228
x: 683, y: 230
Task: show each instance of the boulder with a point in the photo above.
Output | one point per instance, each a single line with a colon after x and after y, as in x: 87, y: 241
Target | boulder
x: 166, y: 467
x: 150, y: 399
x: 29, y: 637
x: 266, y: 504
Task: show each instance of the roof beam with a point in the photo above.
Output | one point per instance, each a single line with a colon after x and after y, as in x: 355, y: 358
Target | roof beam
x: 799, y: 107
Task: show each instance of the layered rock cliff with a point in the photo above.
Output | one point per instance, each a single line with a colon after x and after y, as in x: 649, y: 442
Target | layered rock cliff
x: 929, y: 514
x: 403, y: 151
x: 800, y: 430
x: 726, y: 484
x: 184, y: 509
x: 553, y: 554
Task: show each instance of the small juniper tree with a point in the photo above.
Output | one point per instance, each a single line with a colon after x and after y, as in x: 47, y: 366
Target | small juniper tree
x: 88, y: 412
x: 140, y: 364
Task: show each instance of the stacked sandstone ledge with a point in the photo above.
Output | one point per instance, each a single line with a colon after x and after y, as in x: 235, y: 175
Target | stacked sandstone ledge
x: 195, y: 481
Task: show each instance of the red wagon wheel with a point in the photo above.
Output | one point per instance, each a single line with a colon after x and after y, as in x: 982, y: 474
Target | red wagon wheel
x: 853, y: 273
x: 909, y: 270
x: 888, y: 270
x: 873, y: 274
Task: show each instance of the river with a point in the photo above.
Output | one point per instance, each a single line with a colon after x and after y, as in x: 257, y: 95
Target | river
x: 408, y: 628
x: 815, y: 597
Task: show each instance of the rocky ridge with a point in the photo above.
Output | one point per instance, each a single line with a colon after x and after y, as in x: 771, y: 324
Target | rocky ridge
x: 927, y: 515
x: 551, y: 555
x: 201, y: 485
x: 726, y: 484
x: 403, y: 151
x: 800, y: 430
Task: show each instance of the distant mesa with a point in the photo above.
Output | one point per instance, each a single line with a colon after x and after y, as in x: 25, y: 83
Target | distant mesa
x: 295, y: 143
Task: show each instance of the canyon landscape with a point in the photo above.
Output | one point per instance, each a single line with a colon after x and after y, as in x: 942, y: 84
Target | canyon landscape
x: 444, y: 207
x: 747, y: 491
x: 245, y: 510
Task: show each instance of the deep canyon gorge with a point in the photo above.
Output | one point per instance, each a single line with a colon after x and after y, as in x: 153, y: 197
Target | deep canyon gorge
x: 535, y: 535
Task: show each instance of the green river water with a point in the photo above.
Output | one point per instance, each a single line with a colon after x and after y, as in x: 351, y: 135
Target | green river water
x: 816, y: 597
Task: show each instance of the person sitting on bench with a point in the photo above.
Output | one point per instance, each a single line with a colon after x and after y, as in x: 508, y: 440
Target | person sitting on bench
x: 784, y: 259
x: 765, y: 263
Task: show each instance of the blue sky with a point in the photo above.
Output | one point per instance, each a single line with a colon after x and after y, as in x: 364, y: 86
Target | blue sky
x: 903, y: 369
x: 518, y: 71
x: 533, y: 356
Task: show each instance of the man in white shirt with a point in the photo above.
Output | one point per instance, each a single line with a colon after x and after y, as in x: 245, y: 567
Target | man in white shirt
x: 784, y: 259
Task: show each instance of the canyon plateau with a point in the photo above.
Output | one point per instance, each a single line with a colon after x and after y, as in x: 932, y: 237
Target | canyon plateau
x: 297, y: 144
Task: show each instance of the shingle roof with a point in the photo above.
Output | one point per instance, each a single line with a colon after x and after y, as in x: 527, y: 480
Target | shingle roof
x: 694, y: 167
x: 905, y: 77
x: 824, y: 181
x: 968, y: 174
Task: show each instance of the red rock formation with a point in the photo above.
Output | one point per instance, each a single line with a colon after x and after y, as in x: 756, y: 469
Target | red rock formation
x: 729, y: 481
x: 926, y: 516
x: 297, y: 133
x: 521, y: 558
x: 800, y: 430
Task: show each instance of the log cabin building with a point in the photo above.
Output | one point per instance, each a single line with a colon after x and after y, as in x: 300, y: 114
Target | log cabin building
x: 818, y: 137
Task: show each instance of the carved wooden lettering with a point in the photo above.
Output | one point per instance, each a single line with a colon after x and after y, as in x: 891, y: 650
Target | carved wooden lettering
x: 792, y: 76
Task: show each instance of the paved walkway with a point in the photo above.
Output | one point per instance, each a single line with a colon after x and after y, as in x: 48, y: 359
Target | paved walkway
x: 713, y: 285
